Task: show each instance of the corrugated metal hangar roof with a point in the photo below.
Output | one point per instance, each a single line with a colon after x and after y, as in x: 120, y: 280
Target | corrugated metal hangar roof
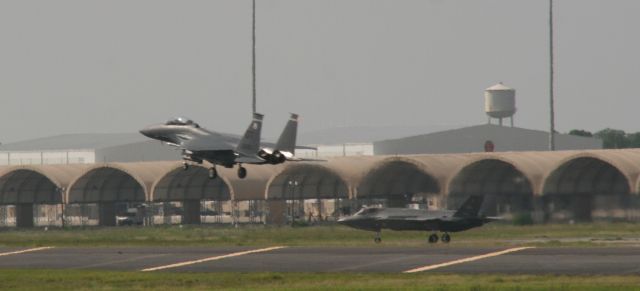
x: 472, y: 139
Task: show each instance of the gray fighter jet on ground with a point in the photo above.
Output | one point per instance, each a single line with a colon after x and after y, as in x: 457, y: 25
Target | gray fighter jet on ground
x: 376, y: 219
x: 199, y: 144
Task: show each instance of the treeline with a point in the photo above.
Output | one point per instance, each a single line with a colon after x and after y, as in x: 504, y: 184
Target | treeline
x: 612, y: 138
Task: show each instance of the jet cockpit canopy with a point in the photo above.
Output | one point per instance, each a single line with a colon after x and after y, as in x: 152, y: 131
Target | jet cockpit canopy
x: 182, y: 121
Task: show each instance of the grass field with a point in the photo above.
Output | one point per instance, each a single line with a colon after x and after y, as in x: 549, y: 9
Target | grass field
x: 333, y: 235
x: 329, y: 235
x: 107, y: 280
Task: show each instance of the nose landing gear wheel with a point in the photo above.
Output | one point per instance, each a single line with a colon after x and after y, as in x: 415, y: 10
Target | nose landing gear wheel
x: 377, y: 239
x: 185, y: 166
x: 242, y: 172
x: 446, y: 238
x: 433, y: 238
x: 213, y: 173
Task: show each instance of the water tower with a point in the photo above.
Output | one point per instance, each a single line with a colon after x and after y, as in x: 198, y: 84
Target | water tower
x: 500, y: 102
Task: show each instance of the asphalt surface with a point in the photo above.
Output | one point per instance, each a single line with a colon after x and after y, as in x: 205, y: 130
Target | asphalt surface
x: 569, y: 261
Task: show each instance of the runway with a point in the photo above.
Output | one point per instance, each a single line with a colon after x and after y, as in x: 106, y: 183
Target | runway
x: 565, y: 261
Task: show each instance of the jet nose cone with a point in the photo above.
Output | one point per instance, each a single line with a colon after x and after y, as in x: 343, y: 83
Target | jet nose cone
x: 150, y: 131
x: 344, y: 220
x: 145, y: 132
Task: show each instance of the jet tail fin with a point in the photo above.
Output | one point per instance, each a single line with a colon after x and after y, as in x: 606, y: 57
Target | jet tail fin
x: 250, y: 142
x: 287, y: 140
x: 470, y: 207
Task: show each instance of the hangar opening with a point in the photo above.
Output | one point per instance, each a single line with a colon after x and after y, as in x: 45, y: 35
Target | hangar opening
x: 586, y: 188
x: 107, y: 196
x: 29, y: 198
x: 398, y: 183
x: 191, y: 197
x: 305, y: 192
x: 506, y: 189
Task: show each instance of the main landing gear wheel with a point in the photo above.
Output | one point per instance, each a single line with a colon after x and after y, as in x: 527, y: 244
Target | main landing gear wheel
x: 446, y: 238
x: 213, y: 173
x: 242, y: 172
x: 377, y: 239
x: 433, y: 238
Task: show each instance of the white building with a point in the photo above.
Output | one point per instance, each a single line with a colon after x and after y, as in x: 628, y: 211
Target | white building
x: 337, y: 150
x: 86, y: 149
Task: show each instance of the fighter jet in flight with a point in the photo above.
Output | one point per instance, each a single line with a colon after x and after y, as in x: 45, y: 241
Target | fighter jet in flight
x: 199, y: 144
x: 376, y: 219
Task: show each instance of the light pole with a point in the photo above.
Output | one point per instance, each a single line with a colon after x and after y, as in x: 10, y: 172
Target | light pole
x: 61, y: 191
x: 552, y: 143
x: 253, y: 56
x: 292, y: 186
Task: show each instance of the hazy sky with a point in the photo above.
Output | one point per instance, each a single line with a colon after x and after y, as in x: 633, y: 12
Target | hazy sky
x: 116, y: 66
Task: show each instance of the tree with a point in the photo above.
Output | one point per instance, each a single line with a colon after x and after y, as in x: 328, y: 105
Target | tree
x: 613, y: 138
x: 580, y: 132
x: 633, y: 140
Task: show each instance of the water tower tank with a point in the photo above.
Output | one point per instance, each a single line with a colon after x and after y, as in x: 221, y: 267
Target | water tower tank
x: 500, y: 101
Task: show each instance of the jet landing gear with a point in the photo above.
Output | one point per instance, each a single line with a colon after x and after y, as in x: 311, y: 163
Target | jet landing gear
x: 377, y: 239
x: 213, y: 173
x: 185, y: 166
x: 445, y: 238
x: 242, y: 172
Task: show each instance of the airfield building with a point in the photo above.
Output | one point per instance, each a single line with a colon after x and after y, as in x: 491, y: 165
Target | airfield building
x: 86, y: 149
x: 477, y: 138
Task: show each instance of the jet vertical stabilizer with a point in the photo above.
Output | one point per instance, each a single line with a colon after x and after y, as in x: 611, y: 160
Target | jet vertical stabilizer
x: 470, y: 207
x: 250, y: 143
x: 287, y: 140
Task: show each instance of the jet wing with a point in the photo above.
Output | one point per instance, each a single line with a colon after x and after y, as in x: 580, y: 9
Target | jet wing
x: 294, y: 159
x: 433, y: 219
x: 407, y: 218
x: 306, y: 148
x: 271, y: 145
x: 206, y: 143
x: 249, y: 160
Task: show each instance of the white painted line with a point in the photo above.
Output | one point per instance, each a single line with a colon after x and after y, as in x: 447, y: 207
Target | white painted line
x: 132, y: 259
x: 466, y: 260
x: 25, y: 251
x: 211, y: 259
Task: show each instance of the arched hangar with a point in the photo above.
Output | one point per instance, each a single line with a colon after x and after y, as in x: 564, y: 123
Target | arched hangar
x: 397, y: 180
x: 593, y: 184
x: 227, y: 193
x: 26, y: 187
x: 330, y: 184
x: 111, y: 186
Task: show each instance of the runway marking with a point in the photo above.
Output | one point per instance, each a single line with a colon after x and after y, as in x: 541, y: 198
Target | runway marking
x: 133, y: 259
x: 25, y: 251
x: 378, y: 262
x: 466, y: 260
x: 212, y: 259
